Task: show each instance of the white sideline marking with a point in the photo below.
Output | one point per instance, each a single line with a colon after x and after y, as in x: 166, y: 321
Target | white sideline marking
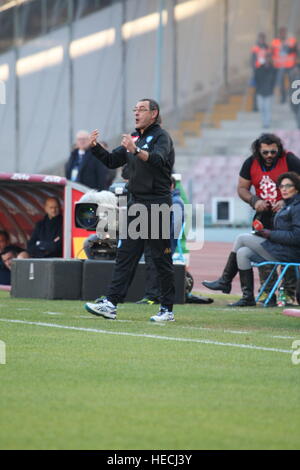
x: 284, y: 337
x: 235, y: 332
x: 89, y: 317
x: 53, y: 313
x: 137, y: 335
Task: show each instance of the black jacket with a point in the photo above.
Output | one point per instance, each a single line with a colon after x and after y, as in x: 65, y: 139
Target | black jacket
x: 150, y: 180
x: 41, y: 243
x: 4, y: 271
x: 284, y: 241
x: 4, y: 275
x: 92, y: 173
x: 265, y: 80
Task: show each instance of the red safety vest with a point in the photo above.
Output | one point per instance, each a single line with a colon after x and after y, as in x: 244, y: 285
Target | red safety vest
x: 260, y: 53
x: 285, y: 61
x: 264, y: 182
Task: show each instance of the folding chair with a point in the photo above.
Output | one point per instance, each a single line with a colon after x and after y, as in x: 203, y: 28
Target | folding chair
x: 279, y: 279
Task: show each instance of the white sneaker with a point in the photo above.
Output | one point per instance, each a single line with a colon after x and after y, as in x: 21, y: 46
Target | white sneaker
x: 163, y: 315
x: 103, y: 309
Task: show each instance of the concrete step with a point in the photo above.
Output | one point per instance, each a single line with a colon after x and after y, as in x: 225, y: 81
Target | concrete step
x: 279, y: 116
x: 227, y: 151
x: 221, y: 137
x: 232, y: 134
x: 255, y: 125
x: 217, y: 141
x: 228, y: 134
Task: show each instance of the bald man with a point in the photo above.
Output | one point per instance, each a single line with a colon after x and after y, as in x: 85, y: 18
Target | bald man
x: 46, y: 239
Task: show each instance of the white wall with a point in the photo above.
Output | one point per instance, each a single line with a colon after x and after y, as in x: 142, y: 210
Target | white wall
x: 111, y: 79
x: 7, y: 118
x: 97, y: 77
x: 200, y: 51
x: 44, y: 108
x: 246, y: 20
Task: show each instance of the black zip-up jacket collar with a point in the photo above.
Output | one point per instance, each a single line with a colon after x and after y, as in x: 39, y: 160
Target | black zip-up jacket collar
x: 147, y: 130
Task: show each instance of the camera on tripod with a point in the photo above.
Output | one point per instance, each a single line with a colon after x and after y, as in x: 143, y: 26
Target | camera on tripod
x: 98, y: 211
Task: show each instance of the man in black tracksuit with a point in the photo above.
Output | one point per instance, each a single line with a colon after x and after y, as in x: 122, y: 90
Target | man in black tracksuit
x: 149, y: 153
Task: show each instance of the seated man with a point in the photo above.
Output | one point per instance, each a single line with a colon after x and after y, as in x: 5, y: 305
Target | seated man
x: 46, y: 239
x: 5, y: 243
x: 7, y: 255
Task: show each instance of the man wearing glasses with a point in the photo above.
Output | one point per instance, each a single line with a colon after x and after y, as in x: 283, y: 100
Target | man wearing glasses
x: 261, y: 170
x: 267, y: 162
x: 149, y: 153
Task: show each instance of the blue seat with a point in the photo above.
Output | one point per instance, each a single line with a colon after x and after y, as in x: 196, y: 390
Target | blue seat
x: 276, y: 284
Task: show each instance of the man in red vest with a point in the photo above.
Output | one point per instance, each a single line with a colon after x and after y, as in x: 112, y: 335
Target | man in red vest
x: 259, y: 52
x: 267, y: 162
x: 284, y: 55
x: 261, y: 170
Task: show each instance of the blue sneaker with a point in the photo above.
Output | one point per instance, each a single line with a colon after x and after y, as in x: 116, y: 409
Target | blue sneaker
x: 104, y: 309
x: 163, y: 315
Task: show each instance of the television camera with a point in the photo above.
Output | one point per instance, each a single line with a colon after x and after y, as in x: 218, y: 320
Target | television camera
x: 98, y: 211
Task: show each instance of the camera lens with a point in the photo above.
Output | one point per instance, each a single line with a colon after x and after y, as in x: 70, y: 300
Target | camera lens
x: 86, y: 216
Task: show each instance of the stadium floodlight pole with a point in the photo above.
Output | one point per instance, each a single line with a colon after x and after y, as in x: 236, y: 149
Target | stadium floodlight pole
x: 226, y: 42
x: 159, y: 52
x: 17, y: 40
x: 71, y: 70
x: 124, y: 62
x: 175, y: 54
x: 275, y: 18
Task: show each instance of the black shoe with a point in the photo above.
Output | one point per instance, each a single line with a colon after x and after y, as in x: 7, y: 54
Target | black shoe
x: 197, y: 299
x: 224, y: 282
x: 243, y: 303
x: 247, y: 286
x: 218, y: 285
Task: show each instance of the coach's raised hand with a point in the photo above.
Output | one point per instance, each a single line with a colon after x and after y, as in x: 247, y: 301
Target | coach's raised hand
x: 128, y: 143
x: 93, y: 138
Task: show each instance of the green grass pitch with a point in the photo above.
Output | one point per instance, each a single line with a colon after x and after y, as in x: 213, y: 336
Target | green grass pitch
x: 217, y: 378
